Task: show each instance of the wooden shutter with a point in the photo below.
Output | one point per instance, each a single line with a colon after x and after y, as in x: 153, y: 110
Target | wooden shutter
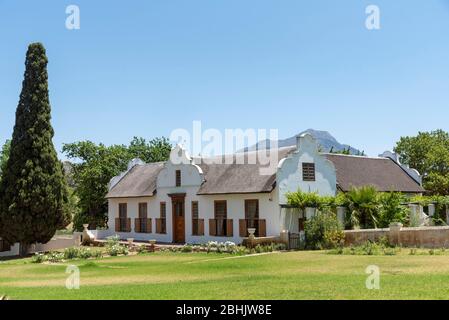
x: 149, y: 226
x: 137, y: 225
x: 128, y: 225
x: 301, y: 224
x: 242, y: 228
x: 212, y: 227
x: 229, y: 228
x: 158, y: 226
x: 117, y: 224
x: 262, y: 228
x: 201, y: 227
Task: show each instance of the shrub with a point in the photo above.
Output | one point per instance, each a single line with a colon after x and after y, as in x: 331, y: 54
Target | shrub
x: 391, y: 209
x: 84, y: 253
x: 114, y: 248
x: 55, y: 256
x: 334, y: 238
x: 38, y: 258
x: 187, y: 248
x: 71, y: 253
x: 316, y: 228
x: 142, y: 250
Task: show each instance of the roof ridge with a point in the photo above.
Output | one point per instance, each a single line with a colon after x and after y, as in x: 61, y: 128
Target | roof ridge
x: 354, y: 156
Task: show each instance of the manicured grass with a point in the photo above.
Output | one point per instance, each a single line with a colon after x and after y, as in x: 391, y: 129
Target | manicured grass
x: 291, y: 275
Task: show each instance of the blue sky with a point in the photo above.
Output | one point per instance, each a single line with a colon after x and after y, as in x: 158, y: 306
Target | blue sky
x: 146, y: 67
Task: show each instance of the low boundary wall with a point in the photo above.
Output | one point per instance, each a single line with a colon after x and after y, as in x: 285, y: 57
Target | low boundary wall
x: 421, y: 237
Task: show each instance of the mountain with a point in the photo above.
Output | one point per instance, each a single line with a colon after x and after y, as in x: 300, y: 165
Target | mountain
x: 326, y: 141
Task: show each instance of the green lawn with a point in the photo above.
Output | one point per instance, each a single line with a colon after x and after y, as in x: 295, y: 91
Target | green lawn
x: 292, y: 275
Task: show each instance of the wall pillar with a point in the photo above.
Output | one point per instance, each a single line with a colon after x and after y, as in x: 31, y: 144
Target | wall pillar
x: 431, y: 210
x: 394, y: 235
x: 310, y: 213
x: 284, y: 237
x: 341, y: 215
x: 415, y: 215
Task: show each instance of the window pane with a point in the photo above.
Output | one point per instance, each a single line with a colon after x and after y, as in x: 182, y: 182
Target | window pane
x: 220, y: 210
x: 143, y: 210
x: 195, y: 210
x: 122, y: 208
x: 251, y: 209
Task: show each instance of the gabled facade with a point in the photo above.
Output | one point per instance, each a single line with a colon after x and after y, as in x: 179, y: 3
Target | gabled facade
x: 185, y: 200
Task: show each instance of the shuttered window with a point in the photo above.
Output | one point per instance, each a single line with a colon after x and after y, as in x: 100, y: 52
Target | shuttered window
x: 122, y: 210
x: 161, y: 223
x: 178, y: 178
x: 251, y: 209
x: 163, y: 210
x: 195, y: 210
x: 143, y: 210
x: 220, y: 210
x: 308, y: 171
x: 195, y: 219
x: 221, y: 214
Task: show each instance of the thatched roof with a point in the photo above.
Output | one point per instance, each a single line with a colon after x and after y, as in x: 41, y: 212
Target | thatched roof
x: 382, y: 173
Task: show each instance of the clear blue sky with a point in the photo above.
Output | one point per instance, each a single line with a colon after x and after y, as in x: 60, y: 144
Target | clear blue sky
x: 145, y: 67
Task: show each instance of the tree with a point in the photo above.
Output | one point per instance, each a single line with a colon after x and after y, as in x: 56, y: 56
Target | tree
x: 428, y: 152
x: 363, y: 207
x: 96, y: 165
x: 32, y: 191
x: 4, y: 155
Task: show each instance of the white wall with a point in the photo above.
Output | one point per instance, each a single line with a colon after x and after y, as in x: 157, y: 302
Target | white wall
x: 268, y: 209
x: 13, y: 252
x: 289, y: 174
x: 192, y: 178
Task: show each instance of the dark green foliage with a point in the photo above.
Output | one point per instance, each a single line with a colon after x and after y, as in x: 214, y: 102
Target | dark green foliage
x: 96, y: 165
x: 4, y: 155
x: 363, y: 207
x: 428, y: 152
x: 33, y: 192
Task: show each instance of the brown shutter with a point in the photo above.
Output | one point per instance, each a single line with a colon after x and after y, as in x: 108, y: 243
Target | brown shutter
x: 212, y: 227
x: 117, y: 224
x: 149, y: 226
x: 229, y: 228
x: 128, y: 225
x: 242, y: 228
x: 262, y: 228
x: 301, y: 224
x: 137, y: 225
x: 158, y: 226
x: 201, y: 227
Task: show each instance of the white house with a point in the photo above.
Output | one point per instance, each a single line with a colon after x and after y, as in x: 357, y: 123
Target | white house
x: 194, y: 201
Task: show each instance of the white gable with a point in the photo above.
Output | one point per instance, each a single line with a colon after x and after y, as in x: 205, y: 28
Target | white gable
x: 289, y: 174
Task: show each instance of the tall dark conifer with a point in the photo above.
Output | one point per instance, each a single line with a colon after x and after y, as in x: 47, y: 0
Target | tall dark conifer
x: 33, y: 192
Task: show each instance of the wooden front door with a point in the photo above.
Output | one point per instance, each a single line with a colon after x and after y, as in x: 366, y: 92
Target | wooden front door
x: 178, y: 220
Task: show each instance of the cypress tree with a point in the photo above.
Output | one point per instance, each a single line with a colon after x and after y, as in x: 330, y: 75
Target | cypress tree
x: 33, y: 192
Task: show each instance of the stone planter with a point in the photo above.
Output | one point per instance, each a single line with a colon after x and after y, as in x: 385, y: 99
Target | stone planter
x: 251, y: 232
x: 130, y: 241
